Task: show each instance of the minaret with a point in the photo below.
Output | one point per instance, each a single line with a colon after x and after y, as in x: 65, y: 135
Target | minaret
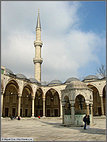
x: 38, y: 44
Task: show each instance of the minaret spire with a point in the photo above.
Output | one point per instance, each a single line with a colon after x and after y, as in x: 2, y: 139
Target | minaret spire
x: 38, y: 21
x: 38, y: 44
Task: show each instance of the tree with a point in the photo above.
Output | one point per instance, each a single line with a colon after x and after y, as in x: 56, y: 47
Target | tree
x: 102, y: 71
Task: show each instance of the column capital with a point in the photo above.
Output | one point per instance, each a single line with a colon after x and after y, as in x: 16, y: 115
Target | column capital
x: 33, y: 97
x: 91, y: 105
x: 2, y: 91
x: 72, y: 102
x: 101, y: 95
x: 63, y: 103
x: 60, y: 97
x: 72, y: 105
x: 87, y: 104
x: 19, y: 95
x: 43, y: 99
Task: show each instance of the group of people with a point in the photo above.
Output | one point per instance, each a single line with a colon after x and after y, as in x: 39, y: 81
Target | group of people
x: 86, y: 120
x: 14, y: 117
x: 18, y: 117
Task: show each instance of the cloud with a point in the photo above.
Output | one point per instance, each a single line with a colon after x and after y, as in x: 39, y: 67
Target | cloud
x: 18, y: 56
x: 65, y: 49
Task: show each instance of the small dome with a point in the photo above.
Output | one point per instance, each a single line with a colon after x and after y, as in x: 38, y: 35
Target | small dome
x: 76, y: 84
x: 56, y: 82
x: 71, y: 79
x: 90, y: 77
x: 8, y: 71
x: 33, y: 80
x: 21, y: 76
x: 44, y: 83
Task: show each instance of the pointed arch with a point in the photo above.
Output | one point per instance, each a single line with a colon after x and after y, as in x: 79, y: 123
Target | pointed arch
x: 26, y: 101
x: 10, y: 100
x: 80, y: 104
x: 52, y: 104
x: 38, y: 105
x: 96, y: 101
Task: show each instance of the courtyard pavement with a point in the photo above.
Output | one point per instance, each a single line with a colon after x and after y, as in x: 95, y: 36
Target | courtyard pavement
x: 46, y: 129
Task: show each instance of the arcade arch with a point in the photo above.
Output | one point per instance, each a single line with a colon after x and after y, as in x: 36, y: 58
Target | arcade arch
x: 10, y: 99
x: 26, y: 102
x: 96, y: 101
x: 38, y: 106
x: 52, y: 104
x: 80, y: 105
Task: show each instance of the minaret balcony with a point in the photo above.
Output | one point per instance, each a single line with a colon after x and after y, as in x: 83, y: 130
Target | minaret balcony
x: 37, y: 60
x: 38, y: 43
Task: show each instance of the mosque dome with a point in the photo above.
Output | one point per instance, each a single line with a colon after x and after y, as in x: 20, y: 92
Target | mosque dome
x: 69, y: 80
x: 76, y: 84
x: 8, y: 71
x: 21, y: 76
x: 91, y: 77
x: 33, y: 80
x: 44, y: 83
x: 55, y: 82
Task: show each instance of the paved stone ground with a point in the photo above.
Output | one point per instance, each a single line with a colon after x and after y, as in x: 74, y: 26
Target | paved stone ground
x: 52, y: 130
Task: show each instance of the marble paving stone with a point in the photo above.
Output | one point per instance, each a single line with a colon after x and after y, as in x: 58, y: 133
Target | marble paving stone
x: 52, y: 130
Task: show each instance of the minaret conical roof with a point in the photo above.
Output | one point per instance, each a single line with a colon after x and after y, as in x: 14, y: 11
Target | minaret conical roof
x: 38, y: 21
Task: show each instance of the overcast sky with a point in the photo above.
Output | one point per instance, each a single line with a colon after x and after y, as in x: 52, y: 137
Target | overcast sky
x: 73, y: 36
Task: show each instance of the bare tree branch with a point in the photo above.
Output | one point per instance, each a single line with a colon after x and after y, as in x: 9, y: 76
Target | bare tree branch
x: 102, y: 71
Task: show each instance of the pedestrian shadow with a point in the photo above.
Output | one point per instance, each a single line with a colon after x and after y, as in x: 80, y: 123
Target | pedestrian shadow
x: 81, y: 129
x: 94, y: 131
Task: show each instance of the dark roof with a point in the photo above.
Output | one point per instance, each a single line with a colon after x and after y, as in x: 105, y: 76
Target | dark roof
x: 8, y: 71
x: 21, y: 76
x: 71, y: 79
x: 91, y: 77
x: 76, y: 84
x: 44, y: 83
x: 33, y: 80
x: 55, y: 82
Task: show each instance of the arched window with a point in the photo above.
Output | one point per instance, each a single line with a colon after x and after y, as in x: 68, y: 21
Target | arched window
x: 80, y: 106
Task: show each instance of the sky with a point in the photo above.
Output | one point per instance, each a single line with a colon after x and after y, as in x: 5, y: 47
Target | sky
x: 72, y: 32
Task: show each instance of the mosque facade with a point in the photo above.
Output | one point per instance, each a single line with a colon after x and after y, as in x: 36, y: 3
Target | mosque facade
x: 25, y: 97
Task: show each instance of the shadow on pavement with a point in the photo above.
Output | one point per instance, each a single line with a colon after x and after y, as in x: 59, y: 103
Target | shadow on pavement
x: 89, y: 131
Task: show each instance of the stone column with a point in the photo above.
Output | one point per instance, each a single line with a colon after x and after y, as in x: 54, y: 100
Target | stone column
x: 60, y: 108
x: 63, y: 113
x: 87, y: 109
x: 33, y: 106
x: 102, y: 106
x: 91, y: 107
x: 72, y: 113
x: 43, y: 107
x: 1, y: 103
x: 19, y: 104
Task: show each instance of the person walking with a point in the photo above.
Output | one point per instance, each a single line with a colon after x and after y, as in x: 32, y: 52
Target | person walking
x: 18, y: 118
x: 88, y: 121
x: 85, y: 121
